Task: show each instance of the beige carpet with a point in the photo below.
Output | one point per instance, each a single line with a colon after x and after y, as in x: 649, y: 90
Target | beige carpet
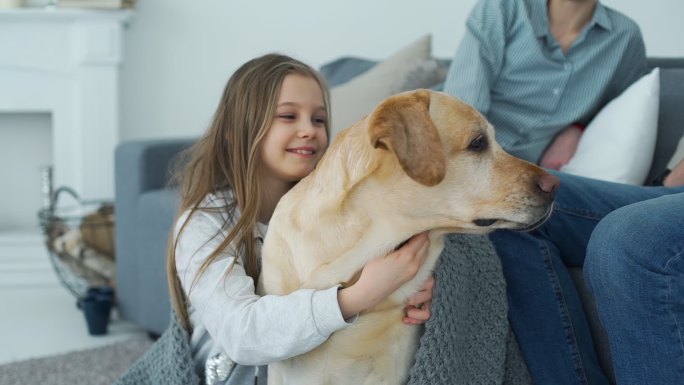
x: 98, y: 366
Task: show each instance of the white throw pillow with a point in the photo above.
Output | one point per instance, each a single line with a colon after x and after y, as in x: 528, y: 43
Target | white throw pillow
x: 356, y: 98
x: 619, y: 142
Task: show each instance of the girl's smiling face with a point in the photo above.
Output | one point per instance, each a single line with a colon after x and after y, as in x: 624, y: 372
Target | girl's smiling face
x: 297, y: 138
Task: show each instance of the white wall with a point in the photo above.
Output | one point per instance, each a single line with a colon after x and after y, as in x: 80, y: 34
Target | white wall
x: 179, y: 54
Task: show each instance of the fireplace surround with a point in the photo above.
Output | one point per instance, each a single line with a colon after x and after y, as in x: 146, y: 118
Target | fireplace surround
x: 65, y: 62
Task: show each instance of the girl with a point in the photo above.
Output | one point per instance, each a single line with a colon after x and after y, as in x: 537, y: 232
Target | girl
x: 269, y: 131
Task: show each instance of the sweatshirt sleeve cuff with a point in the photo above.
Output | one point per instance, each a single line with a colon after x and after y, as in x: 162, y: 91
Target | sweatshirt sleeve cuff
x: 326, y: 311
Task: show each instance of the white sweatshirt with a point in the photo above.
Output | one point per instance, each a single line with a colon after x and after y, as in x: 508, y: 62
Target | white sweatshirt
x: 228, y: 316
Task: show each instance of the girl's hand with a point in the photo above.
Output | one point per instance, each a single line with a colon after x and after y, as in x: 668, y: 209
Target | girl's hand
x: 418, y: 305
x: 383, y: 276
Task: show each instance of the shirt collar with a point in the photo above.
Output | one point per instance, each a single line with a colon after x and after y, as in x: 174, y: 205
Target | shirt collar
x: 601, y: 17
x: 539, y: 17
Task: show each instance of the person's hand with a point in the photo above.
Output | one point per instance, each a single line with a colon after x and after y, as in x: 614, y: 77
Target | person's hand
x: 383, y: 276
x: 676, y: 176
x: 418, y: 305
x: 561, y: 150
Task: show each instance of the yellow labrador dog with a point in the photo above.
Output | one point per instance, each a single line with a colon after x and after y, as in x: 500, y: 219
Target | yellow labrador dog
x: 420, y: 161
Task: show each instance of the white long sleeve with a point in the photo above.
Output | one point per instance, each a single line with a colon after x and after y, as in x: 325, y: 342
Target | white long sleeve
x: 226, y: 313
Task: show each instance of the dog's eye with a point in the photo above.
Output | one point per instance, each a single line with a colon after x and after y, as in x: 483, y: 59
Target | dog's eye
x: 478, y: 144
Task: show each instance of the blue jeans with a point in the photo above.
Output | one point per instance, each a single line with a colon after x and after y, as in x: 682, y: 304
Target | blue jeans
x: 635, y: 268
x: 545, y: 309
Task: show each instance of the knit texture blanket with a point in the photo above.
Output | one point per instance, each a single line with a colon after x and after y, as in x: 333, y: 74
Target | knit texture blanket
x: 467, y: 340
x: 167, y: 362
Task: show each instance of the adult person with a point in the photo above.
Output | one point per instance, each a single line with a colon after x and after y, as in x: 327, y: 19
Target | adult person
x: 539, y: 71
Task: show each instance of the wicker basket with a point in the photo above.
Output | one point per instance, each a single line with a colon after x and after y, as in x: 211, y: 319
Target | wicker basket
x: 79, y: 237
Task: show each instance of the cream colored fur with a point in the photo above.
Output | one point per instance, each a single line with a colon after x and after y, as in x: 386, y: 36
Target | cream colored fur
x: 414, y: 164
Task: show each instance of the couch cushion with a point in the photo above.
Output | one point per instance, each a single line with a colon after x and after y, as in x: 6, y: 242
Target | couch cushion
x: 424, y: 74
x: 353, y: 100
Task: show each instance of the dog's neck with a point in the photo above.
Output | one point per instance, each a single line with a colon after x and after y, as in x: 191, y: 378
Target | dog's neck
x: 344, y: 231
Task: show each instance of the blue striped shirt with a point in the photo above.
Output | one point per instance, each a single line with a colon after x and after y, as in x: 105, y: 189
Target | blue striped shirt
x: 511, y: 68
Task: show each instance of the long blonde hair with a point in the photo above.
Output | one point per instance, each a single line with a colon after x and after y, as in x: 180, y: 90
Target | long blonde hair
x: 227, y: 157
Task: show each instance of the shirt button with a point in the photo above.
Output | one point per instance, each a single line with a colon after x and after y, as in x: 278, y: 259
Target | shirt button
x: 556, y: 91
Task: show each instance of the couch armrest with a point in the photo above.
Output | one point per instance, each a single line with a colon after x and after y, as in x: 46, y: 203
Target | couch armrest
x: 141, y: 167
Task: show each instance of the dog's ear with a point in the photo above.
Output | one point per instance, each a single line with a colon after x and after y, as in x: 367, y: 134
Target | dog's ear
x: 402, y: 125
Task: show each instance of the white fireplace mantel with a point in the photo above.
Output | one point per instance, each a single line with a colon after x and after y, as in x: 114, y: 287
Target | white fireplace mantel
x: 66, y: 63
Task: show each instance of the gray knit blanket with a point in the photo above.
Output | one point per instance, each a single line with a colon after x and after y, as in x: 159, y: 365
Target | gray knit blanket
x: 167, y: 362
x: 467, y: 340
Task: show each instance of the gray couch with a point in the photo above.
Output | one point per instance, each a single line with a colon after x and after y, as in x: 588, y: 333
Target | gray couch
x: 145, y: 205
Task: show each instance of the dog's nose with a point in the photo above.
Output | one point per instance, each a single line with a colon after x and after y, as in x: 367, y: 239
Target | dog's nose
x: 548, y: 183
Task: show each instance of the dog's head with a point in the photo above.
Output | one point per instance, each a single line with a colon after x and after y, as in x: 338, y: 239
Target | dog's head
x: 433, y: 158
